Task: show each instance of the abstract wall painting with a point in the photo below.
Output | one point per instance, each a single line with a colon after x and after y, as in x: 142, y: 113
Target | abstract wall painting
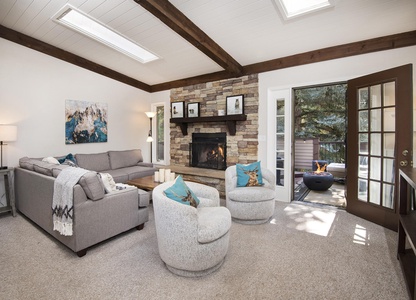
x: 86, y: 122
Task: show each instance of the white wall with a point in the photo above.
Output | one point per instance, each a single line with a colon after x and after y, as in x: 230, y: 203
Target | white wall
x: 33, y: 90
x: 327, y: 72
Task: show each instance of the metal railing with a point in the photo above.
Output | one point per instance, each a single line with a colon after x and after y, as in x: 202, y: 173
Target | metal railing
x: 333, y: 152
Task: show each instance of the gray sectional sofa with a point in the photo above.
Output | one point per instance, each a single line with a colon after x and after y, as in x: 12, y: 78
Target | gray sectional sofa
x: 97, y: 215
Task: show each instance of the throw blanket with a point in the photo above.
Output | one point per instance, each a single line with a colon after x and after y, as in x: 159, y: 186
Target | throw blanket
x: 63, y: 199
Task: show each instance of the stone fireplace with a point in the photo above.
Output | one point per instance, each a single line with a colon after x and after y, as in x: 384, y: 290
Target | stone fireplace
x: 208, y: 150
x: 240, y: 147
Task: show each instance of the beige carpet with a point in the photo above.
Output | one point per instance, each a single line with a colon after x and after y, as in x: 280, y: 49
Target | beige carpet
x: 335, y: 196
x: 304, y: 252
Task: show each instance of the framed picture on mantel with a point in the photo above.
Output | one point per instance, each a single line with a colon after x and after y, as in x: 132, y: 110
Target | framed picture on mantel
x: 177, y: 109
x: 235, y: 105
x: 193, y: 110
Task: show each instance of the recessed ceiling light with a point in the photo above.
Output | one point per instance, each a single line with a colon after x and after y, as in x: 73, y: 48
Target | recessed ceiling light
x: 295, y: 8
x: 90, y: 27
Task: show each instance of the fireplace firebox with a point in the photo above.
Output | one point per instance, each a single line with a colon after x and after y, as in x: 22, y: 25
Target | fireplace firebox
x: 208, y: 150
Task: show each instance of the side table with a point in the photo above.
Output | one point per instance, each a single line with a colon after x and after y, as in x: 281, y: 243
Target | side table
x: 8, y: 175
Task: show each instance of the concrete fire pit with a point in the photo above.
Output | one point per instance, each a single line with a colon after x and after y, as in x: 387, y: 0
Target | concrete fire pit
x: 318, y: 181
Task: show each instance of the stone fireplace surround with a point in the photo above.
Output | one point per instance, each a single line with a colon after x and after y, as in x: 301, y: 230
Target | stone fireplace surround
x: 241, y: 147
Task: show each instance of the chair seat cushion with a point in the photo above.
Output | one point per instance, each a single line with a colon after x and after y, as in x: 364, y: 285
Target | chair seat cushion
x: 251, y: 194
x: 213, y: 223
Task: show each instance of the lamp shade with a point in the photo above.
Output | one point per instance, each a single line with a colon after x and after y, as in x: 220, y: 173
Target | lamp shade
x: 150, y: 114
x: 8, y: 133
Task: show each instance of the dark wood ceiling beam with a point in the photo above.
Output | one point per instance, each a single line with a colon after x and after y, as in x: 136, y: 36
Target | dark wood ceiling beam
x: 48, y: 49
x: 191, y: 81
x: 356, y: 48
x: 178, y: 22
x: 390, y: 42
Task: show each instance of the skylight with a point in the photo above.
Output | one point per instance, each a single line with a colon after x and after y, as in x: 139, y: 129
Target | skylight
x: 86, y: 25
x: 295, y: 8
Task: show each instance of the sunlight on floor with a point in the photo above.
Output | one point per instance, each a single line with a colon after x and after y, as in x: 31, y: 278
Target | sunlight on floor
x: 309, y: 219
x: 361, y: 236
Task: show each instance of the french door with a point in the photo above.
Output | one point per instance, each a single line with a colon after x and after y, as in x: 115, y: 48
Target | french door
x: 379, y: 142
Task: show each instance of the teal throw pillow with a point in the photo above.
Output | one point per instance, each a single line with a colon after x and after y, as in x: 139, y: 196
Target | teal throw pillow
x: 69, y: 157
x: 181, y: 193
x: 249, y: 175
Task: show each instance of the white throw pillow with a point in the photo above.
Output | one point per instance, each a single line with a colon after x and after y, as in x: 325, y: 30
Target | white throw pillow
x: 108, y: 182
x: 51, y: 160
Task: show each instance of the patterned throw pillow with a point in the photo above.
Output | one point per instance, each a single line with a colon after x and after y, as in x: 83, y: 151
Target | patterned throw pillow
x: 249, y: 175
x: 181, y: 193
x: 70, y: 157
x: 108, y: 182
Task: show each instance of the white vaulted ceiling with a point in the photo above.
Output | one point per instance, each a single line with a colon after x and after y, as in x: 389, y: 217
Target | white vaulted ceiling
x: 250, y: 31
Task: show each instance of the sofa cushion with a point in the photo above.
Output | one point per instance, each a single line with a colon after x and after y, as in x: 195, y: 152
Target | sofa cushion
x: 181, y: 193
x: 119, y: 175
x: 92, y: 185
x: 139, y: 171
x: 126, y: 158
x: 26, y: 163
x: 57, y: 169
x: 95, y: 162
x: 249, y: 175
x: 43, y: 167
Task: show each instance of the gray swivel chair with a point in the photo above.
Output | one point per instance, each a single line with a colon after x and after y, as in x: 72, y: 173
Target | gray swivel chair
x: 250, y: 205
x: 192, y: 241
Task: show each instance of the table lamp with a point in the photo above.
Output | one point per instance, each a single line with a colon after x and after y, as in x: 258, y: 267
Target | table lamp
x: 8, y: 133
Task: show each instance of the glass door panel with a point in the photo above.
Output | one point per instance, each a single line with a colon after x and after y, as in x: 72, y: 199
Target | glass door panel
x: 375, y: 95
x: 389, y: 93
x: 375, y: 146
x: 280, y: 141
x: 389, y: 119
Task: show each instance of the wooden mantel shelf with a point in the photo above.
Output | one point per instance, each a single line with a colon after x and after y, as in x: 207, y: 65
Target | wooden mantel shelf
x: 229, y: 120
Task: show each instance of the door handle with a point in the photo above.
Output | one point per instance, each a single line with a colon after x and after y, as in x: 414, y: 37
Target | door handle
x: 403, y: 163
x: 405, y: 152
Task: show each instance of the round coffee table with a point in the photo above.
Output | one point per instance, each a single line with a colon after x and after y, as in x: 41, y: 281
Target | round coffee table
x: 318, y: 181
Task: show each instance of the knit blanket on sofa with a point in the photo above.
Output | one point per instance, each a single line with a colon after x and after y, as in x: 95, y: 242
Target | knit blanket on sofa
x: 63, y: 199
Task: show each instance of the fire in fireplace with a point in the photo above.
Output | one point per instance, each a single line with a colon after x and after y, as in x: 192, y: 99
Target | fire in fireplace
x: 208, y: 150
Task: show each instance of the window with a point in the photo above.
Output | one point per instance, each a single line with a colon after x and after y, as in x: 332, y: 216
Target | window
x: 86, y: 25
x: 160, y: 133
x: 294, y: 8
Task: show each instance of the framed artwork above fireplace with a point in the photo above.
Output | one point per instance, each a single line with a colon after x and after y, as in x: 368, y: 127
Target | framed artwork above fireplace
x: 193, y: 109
x: 235, y: 105
x: 177, y: 109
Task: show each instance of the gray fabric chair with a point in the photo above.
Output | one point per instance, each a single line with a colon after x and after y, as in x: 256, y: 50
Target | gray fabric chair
x: 192, y: 241
x: 250, y: 205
